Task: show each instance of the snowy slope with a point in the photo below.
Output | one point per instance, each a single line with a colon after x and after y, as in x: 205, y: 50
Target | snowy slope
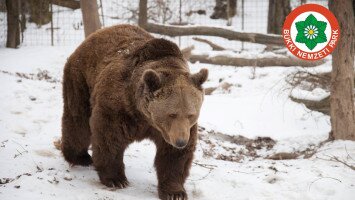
x: 256, y: 104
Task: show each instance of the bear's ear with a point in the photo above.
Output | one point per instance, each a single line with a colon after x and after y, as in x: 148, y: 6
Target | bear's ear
x: 155, y: 49
x: 151, y: 80
x: 199, y: 78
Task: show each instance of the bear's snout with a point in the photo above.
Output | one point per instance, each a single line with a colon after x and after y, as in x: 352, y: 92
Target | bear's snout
x: 180, y: 143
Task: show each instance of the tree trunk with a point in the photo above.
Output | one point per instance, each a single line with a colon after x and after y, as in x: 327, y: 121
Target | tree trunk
x: 221, y: 11
x: 342, y: 109
x: 13, y: 23
x: 2, y: 6
x: 23, y: 9
x: 39, y: 12
x: 89, y: 10
x: 278, y: 11
x: 142, y: 18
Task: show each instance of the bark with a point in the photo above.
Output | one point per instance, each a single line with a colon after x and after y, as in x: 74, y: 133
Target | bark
x: 2, y: 5
x: 173, y: 31
x: 13, y: 23
x: 278, y: 11
x: 257, y: 62
x: 342, y: 109
x: 142, y: 19
x: 89, y: 10
x: 23, y: 9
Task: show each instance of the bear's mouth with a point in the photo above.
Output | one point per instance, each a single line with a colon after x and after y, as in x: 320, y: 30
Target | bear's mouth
x: 176, y: 144
x: 167, y: 139
x: 183, y: 147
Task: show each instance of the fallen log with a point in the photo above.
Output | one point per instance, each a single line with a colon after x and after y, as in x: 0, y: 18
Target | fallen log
x: 255, y: 62
x: 283, y: 156
x: 173, y: 31
x: 186, y: 52
x: 322, y: 106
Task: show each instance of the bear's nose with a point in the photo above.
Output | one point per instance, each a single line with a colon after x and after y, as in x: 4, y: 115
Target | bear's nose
x: 181, y: 143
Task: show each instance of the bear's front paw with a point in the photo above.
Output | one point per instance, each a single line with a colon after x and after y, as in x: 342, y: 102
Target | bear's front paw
x: 180, y: 195
x: 114, y: 182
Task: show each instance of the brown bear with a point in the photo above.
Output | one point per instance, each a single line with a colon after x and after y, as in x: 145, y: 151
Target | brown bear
x: 123, y: 85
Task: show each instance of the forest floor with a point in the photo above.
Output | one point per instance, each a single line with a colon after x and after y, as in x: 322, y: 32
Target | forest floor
x: 244, y: 123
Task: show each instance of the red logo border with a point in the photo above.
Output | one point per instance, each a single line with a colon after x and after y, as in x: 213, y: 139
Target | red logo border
x: 307, y: 8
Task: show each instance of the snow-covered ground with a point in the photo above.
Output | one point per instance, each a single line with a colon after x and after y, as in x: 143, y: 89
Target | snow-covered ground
x: 248, y: 102
x: 256, y: 104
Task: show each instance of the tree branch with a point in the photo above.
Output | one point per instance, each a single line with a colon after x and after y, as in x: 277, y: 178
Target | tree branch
x: 72, y: 4
x: 258, y: 62
x: 267, y: 39
x: 214, y: 46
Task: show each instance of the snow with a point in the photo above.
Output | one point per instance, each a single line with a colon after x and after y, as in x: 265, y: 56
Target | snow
x: 315, y: 95
x: 256, y: 105
x: 259, y: 106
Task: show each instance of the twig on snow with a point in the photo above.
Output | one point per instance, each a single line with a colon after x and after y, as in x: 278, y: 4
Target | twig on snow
x: 309, y: 187
x: 205, y: 165
x: 348, y: 155
x: 336, y: 159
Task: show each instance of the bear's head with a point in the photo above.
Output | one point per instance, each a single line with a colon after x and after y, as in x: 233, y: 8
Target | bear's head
x: 169, y: 96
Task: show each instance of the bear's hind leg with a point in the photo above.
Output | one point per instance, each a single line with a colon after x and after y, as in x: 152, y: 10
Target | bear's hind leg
x: 75, y: 121
x: 75, y: 141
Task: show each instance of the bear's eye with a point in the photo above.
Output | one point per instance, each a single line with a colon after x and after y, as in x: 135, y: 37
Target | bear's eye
x: 173, y: 116
x: 191, y: 116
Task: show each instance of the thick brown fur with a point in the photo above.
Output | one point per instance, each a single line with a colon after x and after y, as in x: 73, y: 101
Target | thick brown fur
x: 116, y: 87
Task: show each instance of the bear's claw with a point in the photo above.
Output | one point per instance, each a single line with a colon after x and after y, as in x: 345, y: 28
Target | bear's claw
x: 115, y: 183
x: 174, y: 196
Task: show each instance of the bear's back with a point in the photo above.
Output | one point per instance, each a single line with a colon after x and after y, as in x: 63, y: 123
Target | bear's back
x: 106, y: 43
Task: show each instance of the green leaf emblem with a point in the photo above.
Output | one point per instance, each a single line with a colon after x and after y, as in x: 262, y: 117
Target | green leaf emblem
x: 311, y: 32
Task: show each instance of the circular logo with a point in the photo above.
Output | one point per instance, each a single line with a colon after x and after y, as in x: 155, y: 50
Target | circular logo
x: 311, y: 32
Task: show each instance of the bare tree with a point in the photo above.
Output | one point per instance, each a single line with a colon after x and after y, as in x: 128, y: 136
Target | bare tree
x: 39, y: 10
x: 40, y: 13
x: 143, y: 17
x: 342, y: 109
x: 278, y: 11
x: 89, y: 10
x: 2, y: 5
x: 13, y: 23
x: 224, y: 9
